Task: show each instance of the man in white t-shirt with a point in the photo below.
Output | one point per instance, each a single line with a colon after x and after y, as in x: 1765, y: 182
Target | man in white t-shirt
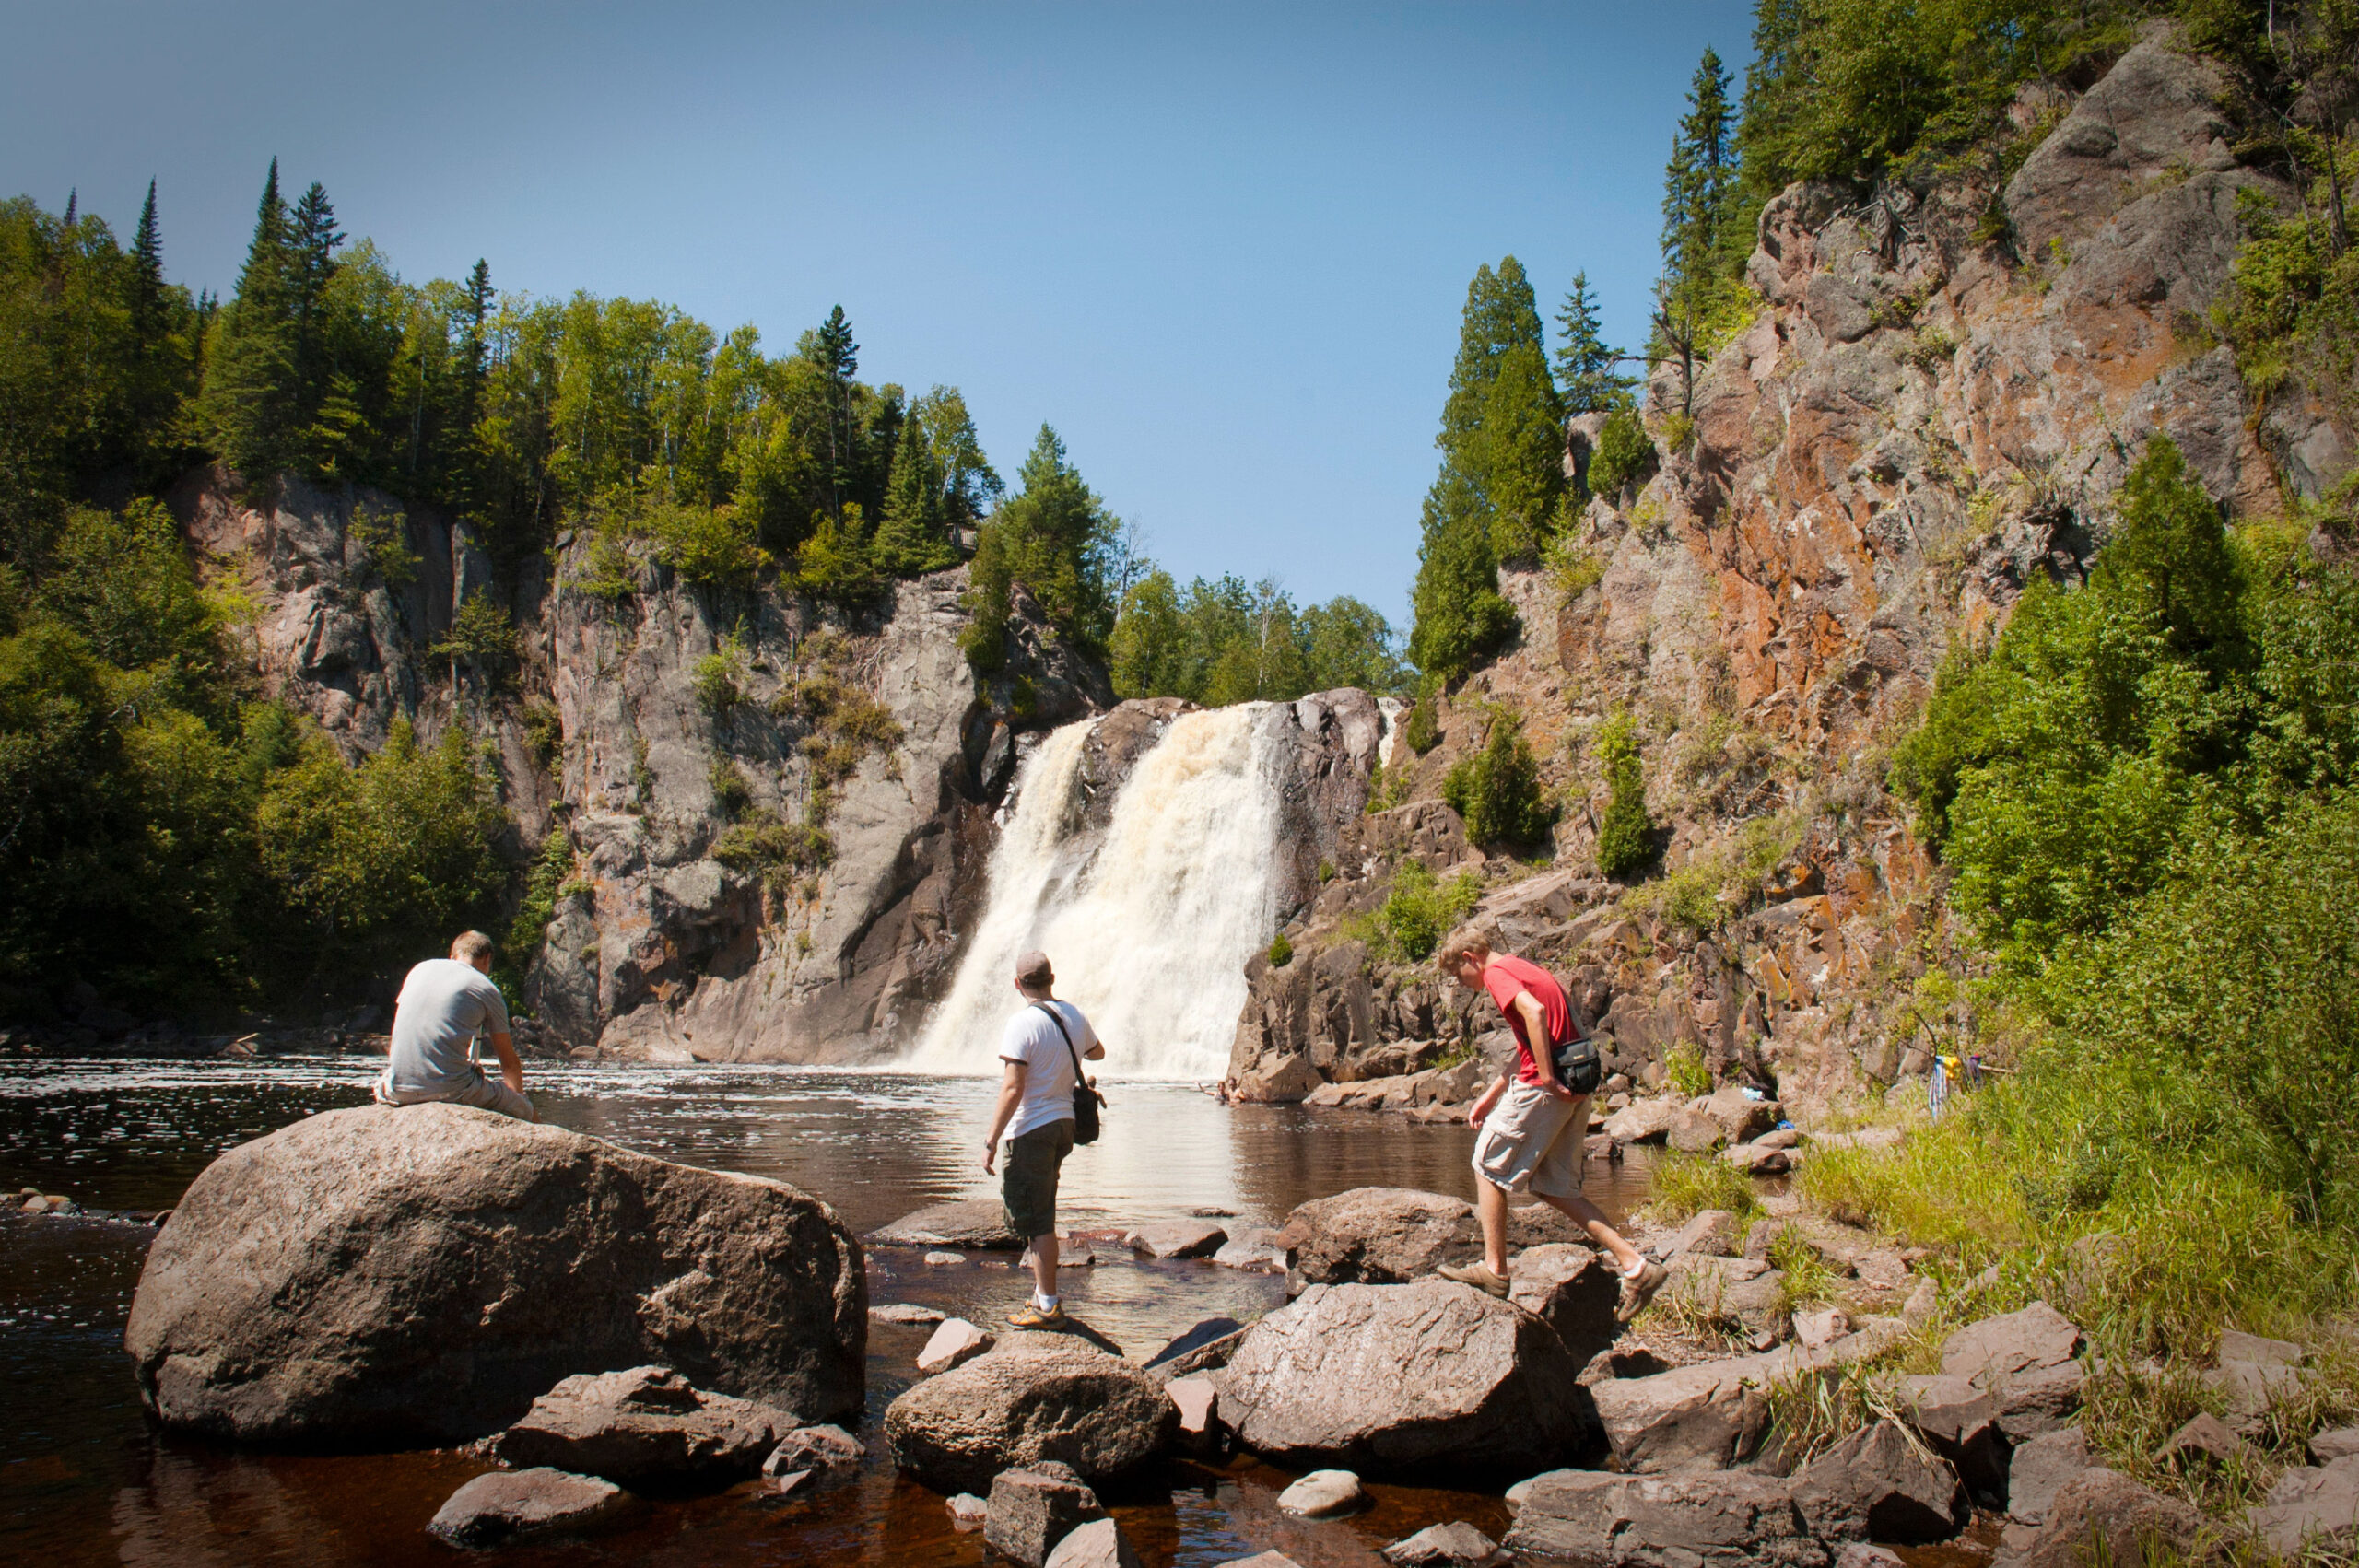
x: 445, y: 1004
x: 1042, y: 1047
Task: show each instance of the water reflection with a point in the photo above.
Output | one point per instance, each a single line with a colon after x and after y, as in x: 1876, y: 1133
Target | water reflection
x: 83, y: 1478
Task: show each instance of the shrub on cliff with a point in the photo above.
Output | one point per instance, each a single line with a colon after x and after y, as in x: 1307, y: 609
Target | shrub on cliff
x: 1626, y: 839
x: 1498, y: 792
x: 1624, y: 457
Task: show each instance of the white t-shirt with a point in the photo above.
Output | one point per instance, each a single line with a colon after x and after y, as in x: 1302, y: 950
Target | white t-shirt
x: 1031, y: 1039
x: 445, y: 1005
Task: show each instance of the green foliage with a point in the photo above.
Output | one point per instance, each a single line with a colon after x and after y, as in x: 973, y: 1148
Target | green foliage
x: 1281, y: 952
x: 719, y: 679
x: 1624, y: 457
x: 383, y: 541
x: 481, y: 637
x: 545, y: 733
x: 775, y: 850
x: 1417, y: 912
x: 2293, y: 309
x: 1057, y: 539
x: 1716, y: 886
x: 1701, y: 299
x: 1684, y: 1073
x: 733, y: 792
x: 545, y: 880
x: 1420, y: 726
x: 1497, y: 789
x: 1684, y: 1186
x: 1572, y: 569
x: 836, y: 562
x: 1626, y: 839
x: 1585, y: 362
x: 1220, y: 642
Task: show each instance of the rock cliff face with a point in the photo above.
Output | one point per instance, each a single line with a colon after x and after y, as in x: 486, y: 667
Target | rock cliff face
x: 1919, y: 420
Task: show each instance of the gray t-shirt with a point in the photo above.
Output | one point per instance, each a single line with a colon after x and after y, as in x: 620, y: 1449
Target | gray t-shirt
x: 444, y: 1005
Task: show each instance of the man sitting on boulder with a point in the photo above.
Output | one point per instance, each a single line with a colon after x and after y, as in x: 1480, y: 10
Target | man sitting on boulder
x: 444, y: 1004
x: 1534, y: 1130
x: 1042, y: 1047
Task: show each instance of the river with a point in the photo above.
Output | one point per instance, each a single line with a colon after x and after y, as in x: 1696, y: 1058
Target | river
x: 84, y: 1480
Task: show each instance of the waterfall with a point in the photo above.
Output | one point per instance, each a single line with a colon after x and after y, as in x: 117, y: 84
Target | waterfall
x: 1150, y: 926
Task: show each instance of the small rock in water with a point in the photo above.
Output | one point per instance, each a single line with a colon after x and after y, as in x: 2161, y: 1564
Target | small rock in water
x: 1323, y: 1495
x: 1212, y: 1213
x: 814, y: 1448
x: 1177, y: 1239
x: 1455, y: 1545
x: 1033, y: 1508
x: 954, y: 1343
x: 784, y: 1487
x: 1099, y: 1544
x: 646, y: 1424
x: 511, y: 1505
x: 1261, y: 1559
x: 944, y: 1259
x: 906, y: 1312
x: 1860, y: 1554
x: 968, y: 1510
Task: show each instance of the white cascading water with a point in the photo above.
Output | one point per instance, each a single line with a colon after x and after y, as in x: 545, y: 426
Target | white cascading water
x: 1150, y: 931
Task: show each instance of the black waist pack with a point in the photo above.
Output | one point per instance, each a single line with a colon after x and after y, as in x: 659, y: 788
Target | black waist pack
x: 1578, y: 1067
x: 1085, y: 1099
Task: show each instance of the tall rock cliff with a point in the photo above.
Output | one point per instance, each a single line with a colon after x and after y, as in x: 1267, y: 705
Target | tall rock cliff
x: 1924, y: 413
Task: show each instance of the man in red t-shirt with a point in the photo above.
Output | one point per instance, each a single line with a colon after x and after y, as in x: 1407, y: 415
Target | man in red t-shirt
x: 1533, y: 1130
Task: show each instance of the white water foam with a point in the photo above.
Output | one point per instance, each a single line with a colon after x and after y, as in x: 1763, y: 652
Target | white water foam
x: 1150, y: 932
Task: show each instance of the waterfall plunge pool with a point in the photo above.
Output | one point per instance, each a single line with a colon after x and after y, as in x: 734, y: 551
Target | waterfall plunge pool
x: 84, y: 1480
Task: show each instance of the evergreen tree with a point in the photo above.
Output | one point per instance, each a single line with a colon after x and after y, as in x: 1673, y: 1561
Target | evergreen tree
x: 147, y: 274
x: 911, y: 537
x: 248, y: 403
x: 1054, y: 537
x: 1698, y: 299
x: 73, y: 206
x: 1585, y: 365
x: 312, y: 240
x: 833, y: 350
x: 1626, y: 839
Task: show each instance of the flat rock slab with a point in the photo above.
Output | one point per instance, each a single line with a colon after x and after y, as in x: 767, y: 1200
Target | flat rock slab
x: 1207, y: 1345
x: 648, y: 1426
x: 977, y: 1223
x: 1324, y: 1494
x: 1037, y: 1397
x: 944, y: 1260
x: 907, y: 1313
x: 2035, y: 1339
x: 1620, y: 1521
x: 1177, y: 1239
x: 1099, y: 1544
x: 2319, y: 1504
x: 1379, y: 1236
x: 415, y: 1277
x: 2040, y: 1468
x: 515, y: 1505
x: 954, y: 1343
x: 1454, y: 1545
x: 1394, y: 1377
x: 1641, y: 1121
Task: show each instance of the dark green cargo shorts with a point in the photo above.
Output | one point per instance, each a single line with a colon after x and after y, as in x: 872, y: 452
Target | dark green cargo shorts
x: 1028, y: 1180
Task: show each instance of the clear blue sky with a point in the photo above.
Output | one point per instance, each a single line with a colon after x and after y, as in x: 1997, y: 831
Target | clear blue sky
x: 1221, y: 248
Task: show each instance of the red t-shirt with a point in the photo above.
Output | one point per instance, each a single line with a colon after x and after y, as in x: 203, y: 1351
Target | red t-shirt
x: 1507, y: 978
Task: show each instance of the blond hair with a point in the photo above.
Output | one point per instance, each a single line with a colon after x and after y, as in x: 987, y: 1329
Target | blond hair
x: 1467, y: 940
x: 468, y: 946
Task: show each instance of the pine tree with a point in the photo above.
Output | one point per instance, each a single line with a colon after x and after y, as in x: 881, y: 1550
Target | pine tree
x: 1585, y: 364
x: 1698, y: 295
x: 73, y: 206
x: 147, y: 276
x: 837, y: 355
x: 911, y: 538
x: 312, y: 245
x: 247, y: 406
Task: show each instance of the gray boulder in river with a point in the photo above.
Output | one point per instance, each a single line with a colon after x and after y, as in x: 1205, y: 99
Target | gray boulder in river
x: 1394, y: 1377
x: 1040, y: 1395
x: 380, y: 1278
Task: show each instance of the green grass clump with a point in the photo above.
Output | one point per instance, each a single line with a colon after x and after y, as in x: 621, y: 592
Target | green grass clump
x: 1684, y: 1073
x: 1685, y: 1185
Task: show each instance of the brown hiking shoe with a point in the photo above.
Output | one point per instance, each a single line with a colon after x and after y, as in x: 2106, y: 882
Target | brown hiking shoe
x: 1030, y: 1316
x: 1639, y: 1289
x: 1478, y: 1275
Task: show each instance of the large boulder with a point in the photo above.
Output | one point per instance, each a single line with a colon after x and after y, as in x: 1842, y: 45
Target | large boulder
x: 1390, y: 1377
x: 645, y: 1427
x: 1905, y: 1492
x: 1036, y: 1397
x: 1377, y: 1235
x: 1622, y: 1521
x: 977, y: 1223
x: 418, y: 1276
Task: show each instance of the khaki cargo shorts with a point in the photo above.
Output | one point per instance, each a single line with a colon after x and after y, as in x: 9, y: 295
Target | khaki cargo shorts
x: 486, y: 1094
x: 1028, y: 1183
x: 1532, y: 1142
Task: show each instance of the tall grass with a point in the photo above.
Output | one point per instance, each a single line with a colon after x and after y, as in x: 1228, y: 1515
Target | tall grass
x: 1684, y: 1184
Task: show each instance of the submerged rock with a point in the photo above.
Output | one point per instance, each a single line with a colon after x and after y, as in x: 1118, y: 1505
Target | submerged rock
x: 1454, y: 1545
x: 506, y: 1507
x: 397, y: 1278
x: 1395, y: 1375
x: 1037, y: 1397
x: 646, y: 1426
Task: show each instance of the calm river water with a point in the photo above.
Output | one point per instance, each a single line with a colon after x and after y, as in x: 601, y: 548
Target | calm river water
x: 84, y: 1480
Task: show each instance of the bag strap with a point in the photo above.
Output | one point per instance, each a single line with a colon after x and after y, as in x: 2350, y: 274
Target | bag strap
x: 1060, y: 1023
